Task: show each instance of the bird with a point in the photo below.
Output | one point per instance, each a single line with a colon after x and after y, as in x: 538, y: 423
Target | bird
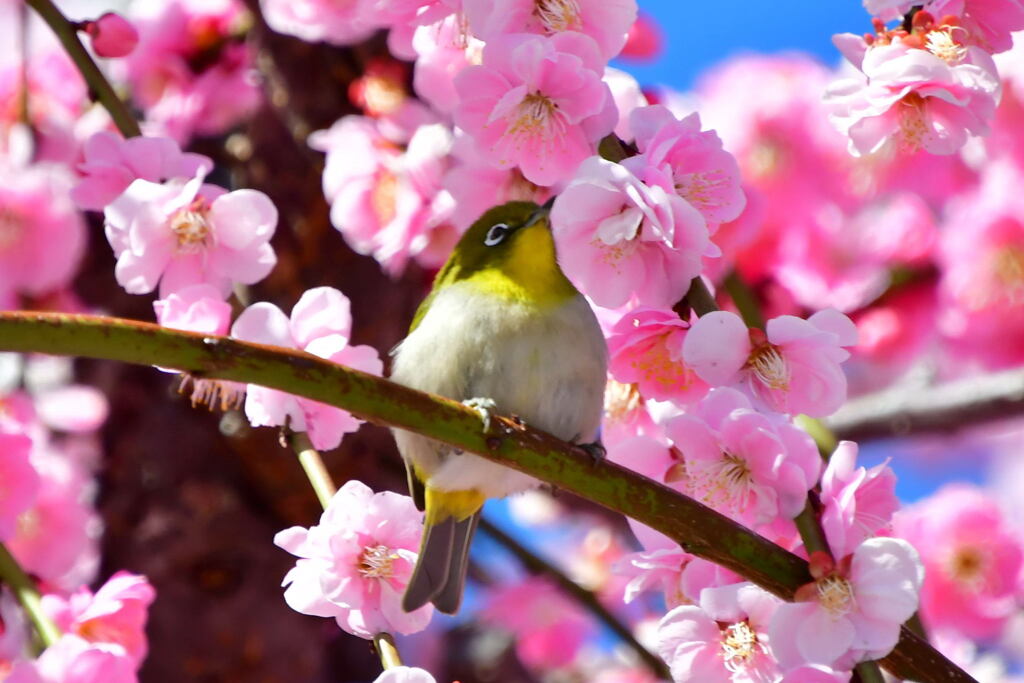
x: 504, y: 331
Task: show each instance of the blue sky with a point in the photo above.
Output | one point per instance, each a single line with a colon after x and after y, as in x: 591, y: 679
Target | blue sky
x: 701, y: 34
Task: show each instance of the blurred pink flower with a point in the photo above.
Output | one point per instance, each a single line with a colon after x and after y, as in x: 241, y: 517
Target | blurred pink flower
x: 111, y: 163
x: 321, y: 325
x: 74, y: 408
x: 313, y: 20
x: 621, y: 231
x: 536, y: 103
x: 646, y: 348
x: 645, y: 41
x: 196, y: 308
x: 702, y: 173
x: 628, y: 96
x: 655, y: 570
x: 355, y: 564
x: 918, y: 99
x: 549, y: 629
x: 724, y: 639
x: 858, y: 503
x: 743, y: 463
x: 183, y: 96
x: 183, y: 233
x: 814, y: 673
x: 793, y: 367
x: 386, y: 203
x: 973, y: 559
x: 19, y: 482
x: 112, y: 35
x: 853, y: 611
x: 981, y: 255
x: 988, y: 23
x: 606, y: 21
x: 116, y: 614
x: 42, y: 235
x: 443, y: 50
x: 74, y: 660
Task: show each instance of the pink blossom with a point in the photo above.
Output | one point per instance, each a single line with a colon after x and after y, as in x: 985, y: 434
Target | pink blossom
x: 918, y: 99
x: 56, y: 538
x: 815, y: 673
x: 645, y: 41
x: 973, y: 559
x: 988, y: 23
x: 355, y: 564
x: 111, y: 164
x: 646, y: 348
x: 112, y: 35
x: 982, y: 259
x: 621, y: 232
x: 606, y: 21
x: 724, y: 639
x: 313, y: 20
x: 14, y: 640
x: 183, y: 233
x: 178, y: 100
x: 74, y: 660
x: 549, y: 628
x: 476, y: 186
x: 385, y: 203
x: 75, y: 408
x: 858, y: 503
x: 679, y: 576
x: 743, y: 463
x: 536, y: 103
x: 321, y: 325
x: 793, y: 366
x: 42, y: 235
x: 628, y: 97
x: 405, y: 674
x: 845, y: 261
x: 196, y: 308
x: 444, y: 49
x: 116, y: 614
x: 702, y: 172
x: 19, y: 482
x: 851, y: 612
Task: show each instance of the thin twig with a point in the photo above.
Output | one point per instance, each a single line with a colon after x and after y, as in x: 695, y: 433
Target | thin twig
x: 98, y: 83
x: 538, y: 565
x: 387, y: 651
x: 313, y: 466
x: 700, y: 298
x: 24, y: 590
x: 744, y: 299
x: 697, y: 528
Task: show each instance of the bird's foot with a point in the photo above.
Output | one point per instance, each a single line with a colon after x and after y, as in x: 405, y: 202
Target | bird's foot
x: 596, y: 451
x: 486, y: 407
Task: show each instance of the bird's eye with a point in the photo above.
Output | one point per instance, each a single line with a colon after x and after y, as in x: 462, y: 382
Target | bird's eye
x: 496, y: 234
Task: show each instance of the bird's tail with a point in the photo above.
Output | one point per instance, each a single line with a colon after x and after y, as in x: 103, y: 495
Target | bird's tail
x: 440, y: 571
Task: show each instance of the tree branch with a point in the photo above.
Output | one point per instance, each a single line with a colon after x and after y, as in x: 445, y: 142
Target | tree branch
x: 941, y: 408
x: 25, y: 591
x: 538, y: 565
x: 67, y: 34
x: 698, y: 529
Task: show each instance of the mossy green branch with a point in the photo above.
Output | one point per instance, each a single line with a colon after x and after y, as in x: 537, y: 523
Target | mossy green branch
x: 698, y: 529
x: 67, y: 34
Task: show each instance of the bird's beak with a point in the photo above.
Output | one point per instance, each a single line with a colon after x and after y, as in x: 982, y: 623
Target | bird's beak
x: 540, y: 214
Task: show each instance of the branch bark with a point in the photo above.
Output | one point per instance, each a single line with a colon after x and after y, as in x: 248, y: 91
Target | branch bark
x: 698, y: 529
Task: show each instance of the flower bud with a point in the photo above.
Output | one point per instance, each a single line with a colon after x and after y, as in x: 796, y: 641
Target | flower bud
x: 112, y: 35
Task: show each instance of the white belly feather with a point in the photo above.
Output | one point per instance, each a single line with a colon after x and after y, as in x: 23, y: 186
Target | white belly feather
x: 547, y: 367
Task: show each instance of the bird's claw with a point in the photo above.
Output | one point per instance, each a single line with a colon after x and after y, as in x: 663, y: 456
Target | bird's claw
x: 486, y: 407
x: 595, y: 450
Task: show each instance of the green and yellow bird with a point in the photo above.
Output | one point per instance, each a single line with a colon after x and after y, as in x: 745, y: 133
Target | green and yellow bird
x: 503, y: 330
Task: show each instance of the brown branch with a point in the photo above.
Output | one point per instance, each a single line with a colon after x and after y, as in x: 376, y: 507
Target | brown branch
x: 942, y: 408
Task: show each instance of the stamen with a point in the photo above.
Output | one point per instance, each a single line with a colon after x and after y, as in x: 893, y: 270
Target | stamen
x: 537, y: 116
x: 835, y: 594
x: 769, y: 366
x: 191, y: 228
x: 941, y: 44
x: 376, y: 562
x: 967, y: 565
x: 739, y: 645
x: 558, y: 15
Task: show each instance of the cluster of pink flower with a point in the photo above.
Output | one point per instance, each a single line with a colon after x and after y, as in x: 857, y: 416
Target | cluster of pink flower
x: 512, y: 100
x: 49, y: 454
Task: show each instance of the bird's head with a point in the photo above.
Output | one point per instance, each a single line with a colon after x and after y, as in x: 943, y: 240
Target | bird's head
x: 509, y: 252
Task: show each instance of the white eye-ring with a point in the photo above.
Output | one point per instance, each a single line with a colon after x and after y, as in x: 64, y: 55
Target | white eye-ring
x: 497, y: 233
